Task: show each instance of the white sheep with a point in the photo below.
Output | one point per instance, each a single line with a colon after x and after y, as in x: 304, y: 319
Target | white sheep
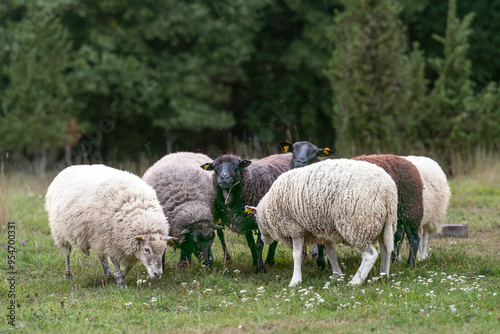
x: 330, y: 202
x: 112, y: 212
x: 436, y: 197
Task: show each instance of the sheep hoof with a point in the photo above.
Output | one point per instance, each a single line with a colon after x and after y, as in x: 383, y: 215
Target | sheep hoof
x: 68, y: 276
x: 261, y: 270
x: 294, y: 283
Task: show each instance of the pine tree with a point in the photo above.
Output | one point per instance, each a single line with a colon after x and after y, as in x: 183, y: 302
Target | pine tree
x: 368, y: 73
x: 451, y: 116
x: 36, y: 102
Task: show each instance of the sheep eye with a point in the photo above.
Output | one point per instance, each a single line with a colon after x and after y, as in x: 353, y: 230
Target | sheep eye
x: 147, y: 250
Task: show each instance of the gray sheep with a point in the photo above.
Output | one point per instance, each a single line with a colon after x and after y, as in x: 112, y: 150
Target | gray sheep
x: 187, y: 195
x: 112, y: 212
x: 330, y: 202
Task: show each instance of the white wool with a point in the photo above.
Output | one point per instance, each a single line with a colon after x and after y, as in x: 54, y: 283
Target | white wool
x: 337, y: 200
x: 436, y: 197
x: 101, y: 208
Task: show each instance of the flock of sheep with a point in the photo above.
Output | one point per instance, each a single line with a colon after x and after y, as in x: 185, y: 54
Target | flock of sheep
x: 292, y: 197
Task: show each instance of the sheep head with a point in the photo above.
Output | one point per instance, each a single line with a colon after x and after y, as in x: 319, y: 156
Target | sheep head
x: 150, y: 252
x: 304, y: 153
x: 197, y: 238
x: 227, y: 170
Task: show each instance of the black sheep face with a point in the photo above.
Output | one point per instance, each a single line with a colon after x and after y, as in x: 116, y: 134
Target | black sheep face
x: 304, y: 153
x: 227, y: 170
x: 197, y: 239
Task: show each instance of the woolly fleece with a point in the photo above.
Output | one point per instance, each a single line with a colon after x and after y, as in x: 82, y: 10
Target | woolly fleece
x: 101, y: 208
x: 436, y: 193
x: 184, y: 190
x: 338, y: 199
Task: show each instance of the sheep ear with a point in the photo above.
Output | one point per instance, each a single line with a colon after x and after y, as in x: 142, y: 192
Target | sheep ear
x: 217, y: 227
x: 324, y: 152
x: 139, y: 237
x: 284, y: 146
x: 168, y: 239
x: 207, y: 166
x: 250, y: 210
x: 244, y: 163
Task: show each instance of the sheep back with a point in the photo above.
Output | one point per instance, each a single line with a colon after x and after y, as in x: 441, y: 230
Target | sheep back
x: 340, y: 199
x: 101, y: 208
x: 436, y: 193
x: 408, y: 182
x: 184, y: 190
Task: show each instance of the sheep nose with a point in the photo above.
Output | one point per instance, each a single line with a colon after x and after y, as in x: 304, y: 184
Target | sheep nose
x: 156, y: 275
x: 224, y: 176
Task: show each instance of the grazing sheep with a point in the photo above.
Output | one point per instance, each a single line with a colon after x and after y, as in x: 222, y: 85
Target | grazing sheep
x: 410, y: 202
x: 403, y: 173
x: 238, y: 182
x: 436, y: 196
x: 187, y: 195
x: 112, y: 212
x: 330, y: 202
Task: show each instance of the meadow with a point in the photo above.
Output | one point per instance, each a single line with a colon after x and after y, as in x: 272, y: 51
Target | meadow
x: 455, y: 290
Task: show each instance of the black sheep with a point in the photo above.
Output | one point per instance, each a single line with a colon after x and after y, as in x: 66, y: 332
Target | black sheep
x: 238, y: 183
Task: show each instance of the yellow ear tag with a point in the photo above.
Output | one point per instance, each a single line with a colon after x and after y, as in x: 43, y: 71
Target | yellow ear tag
x: 205, y: 167
x: 286, y: 148
x: 326, y: 151
x: 248, y: 211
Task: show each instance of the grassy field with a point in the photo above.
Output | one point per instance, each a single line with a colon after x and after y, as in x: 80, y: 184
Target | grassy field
x: 456, y: 290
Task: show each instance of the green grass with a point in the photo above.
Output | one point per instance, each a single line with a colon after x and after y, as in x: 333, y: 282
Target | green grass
x: 457, y: 289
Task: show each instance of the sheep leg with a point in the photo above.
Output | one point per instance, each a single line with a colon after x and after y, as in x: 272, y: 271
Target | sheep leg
x: 368, y: 259
x: 105, y: 266
x: 271, y: 252
x: 67, y: 253
x: 385, y: 256
x: 320, y: 255
x: 423, y: 247
x: 259, y: 247
x: 398, y: 239
x: 251, y: 245
x: 220, y: 234
x: 185, y: 258
x: 297, y: 261
x: 329, y: 248
x: 119, y: 275
x: 414, y: 241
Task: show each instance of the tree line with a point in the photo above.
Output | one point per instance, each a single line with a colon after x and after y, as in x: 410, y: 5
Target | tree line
x: 119, y: 80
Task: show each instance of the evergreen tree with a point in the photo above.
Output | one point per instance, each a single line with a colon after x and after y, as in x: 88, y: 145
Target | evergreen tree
x: 451, y: 116
x: 36, y: 102
x: 368, y: 74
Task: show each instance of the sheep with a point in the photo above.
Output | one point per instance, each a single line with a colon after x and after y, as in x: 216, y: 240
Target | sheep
x: 332, y: 201
x: 186, y: 194
x: 410, y: 202
x: 407, y: 178
x: 112, y: 212
x: 303, y: 154
x: 238, y: 182
x: 436, y: 197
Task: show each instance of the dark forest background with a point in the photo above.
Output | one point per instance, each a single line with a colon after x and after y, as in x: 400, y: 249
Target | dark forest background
x: 113, y: 80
